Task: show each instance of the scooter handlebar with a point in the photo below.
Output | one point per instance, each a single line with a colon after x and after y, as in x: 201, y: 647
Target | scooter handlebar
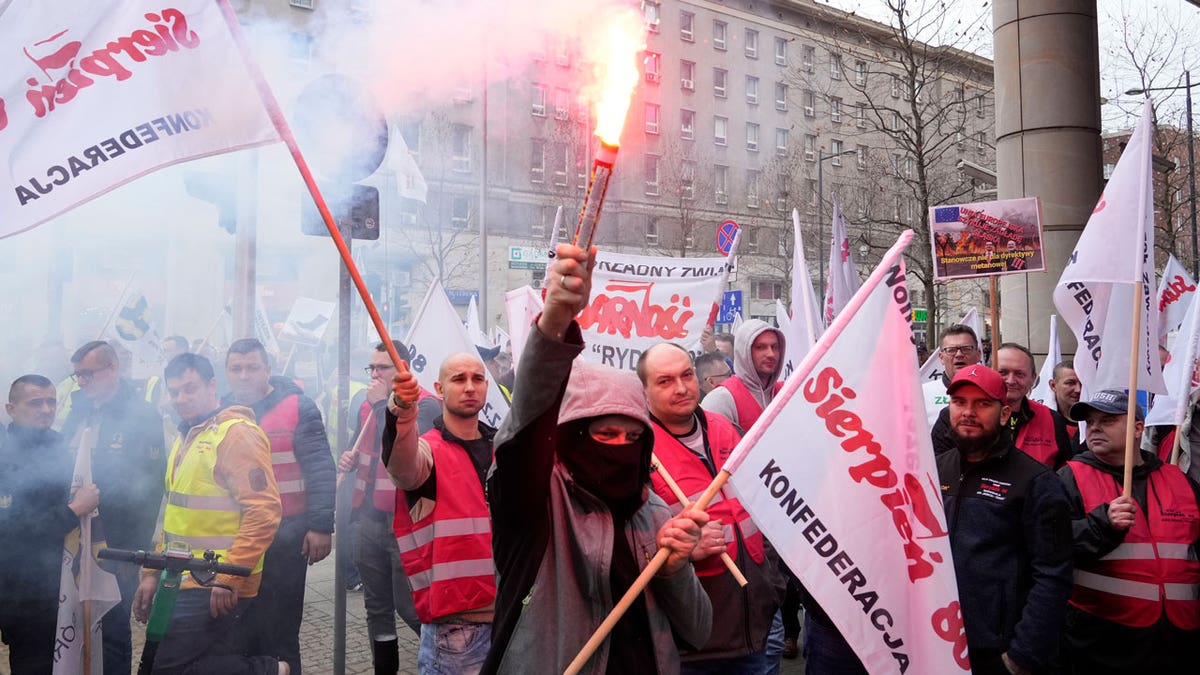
x: 158, y: 561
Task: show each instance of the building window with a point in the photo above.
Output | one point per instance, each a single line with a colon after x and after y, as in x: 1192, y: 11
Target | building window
x: 537, y: 224
x: 751, y: 136
x: 781, y: 142
x: 687, y: 24
x: 835, y: 110
x: 908, y: 167
x: 653, y: 69
x: 537, y: 162
x: 860, y: 116
x: 751, y: 90
x: 652, y: 113
x: 652, y: 232
x: 959, y: 138
x: 836, y: 148
x: 721, y: 184
x: 809, y: 56
x: 766, y: 289
x: 895, y: 86
x: 562, y: 104
x: 751, y: 44
x: 562, y: 54
x: 861, y: 157
x: 810, y: 103
x: 781, y: 200
x: 651, y: 187
x: 895, y: 126
x: 720, y: 30
x: 810, y: 191
x: 460, y: 147
x: 650, y: 12
x: 687, y: 124
x: 752, y: 189
x: 720, y: 77
x: 460, y: 212
x: 835, y: 66
x: 896, y: 159
x: 539, y: 100
x: 781, y: 91
x: 980, y: 141
x: 687, y: 75
x: 720, y: 130
x: 979, y: 105
x: 810, y: 148
x: 860, y: 73
x: 687, y: 180
x: 559, y: 159
x: 780, y: 51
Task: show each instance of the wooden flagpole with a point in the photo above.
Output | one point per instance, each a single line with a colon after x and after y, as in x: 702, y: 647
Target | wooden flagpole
x: 285, y: 132
x: 1131, y: 407
x: 993, y: 300
x: 685, y: 502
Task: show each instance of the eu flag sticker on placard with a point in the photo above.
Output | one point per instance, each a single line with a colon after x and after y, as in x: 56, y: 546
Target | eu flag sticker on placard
x: 946, y: 214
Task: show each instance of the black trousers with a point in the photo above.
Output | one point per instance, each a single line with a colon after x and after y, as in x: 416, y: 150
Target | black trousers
x: 272, y: 623
x: 27, y: 627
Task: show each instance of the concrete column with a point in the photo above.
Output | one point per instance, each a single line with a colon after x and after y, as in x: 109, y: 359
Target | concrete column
x: 1047, y: 143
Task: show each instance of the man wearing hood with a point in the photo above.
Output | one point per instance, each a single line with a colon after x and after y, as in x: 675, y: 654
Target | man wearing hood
x: 574, y: 520
x: 127, y: 464
x: 1135, y: 606
x: 758, y: 354
x: 304, y: 473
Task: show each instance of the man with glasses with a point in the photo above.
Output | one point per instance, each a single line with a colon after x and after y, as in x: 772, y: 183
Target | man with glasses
x: 711, y: 370
x: 385, y: 588
x: 959, y: 347
x: 128, y: 464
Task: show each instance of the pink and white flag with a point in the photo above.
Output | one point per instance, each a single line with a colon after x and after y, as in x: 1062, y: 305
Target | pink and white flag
x: 804, y: 324
x: 855, y: 510
x: 98, y: 95
x: 1175, y: 292
x: 1095, y: 294
x: 1180, y: 373
x: 843, y: 271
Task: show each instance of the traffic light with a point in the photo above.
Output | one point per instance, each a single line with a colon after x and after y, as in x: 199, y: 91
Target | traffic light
x: 357, y: 209
x: 217, y: 189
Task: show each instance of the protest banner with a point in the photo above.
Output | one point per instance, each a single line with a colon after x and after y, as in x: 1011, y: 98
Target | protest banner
x: 986, y: 238
x: 843, y: 270
x: 1041, y: 392
x: 307, y: 321
x: 1175, y: 292
x: 804, y: 323
x: 437, y: 332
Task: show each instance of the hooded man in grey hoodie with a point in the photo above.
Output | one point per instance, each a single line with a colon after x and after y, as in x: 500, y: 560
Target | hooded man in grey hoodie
x: 758, y: 356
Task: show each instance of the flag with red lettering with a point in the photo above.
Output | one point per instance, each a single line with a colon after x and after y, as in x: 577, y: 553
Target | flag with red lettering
x: 855, y: 510
x: 638, y: 301
x: 1041, y: 391
x: 522, y: 305
x: 1175, y: 292
x: 1095, y: 294
x: 804, y: 324
x: 843, y: 271
x: 97, y: 94
x: 1180, y: 373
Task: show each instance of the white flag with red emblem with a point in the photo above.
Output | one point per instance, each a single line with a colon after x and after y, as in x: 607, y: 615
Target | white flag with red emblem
x: 1095, y: 294
x: 855, y: 510
x: 1180, y: 373
x: 1175, y: 292
x: 804, y: 324
x: 843, y: 272
x: 1041, y: 391
x: 96, y: 94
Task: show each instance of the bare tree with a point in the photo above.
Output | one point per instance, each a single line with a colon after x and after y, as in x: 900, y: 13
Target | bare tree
x: 683, y: 186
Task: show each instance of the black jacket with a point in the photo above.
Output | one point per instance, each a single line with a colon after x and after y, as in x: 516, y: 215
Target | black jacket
x: 35, y: 487
x: 1010, y: 533
x: 311, y: 446
x: 943, y: 439
x: 129, y: 463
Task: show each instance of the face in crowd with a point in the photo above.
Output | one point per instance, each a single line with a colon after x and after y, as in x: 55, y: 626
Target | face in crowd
x: 976, y: 418
x: 249, y: 377
x: 958, y: 350
x: 462, y: 384
x: 672, y: 390
x: 764, y: 353
x: 31, y: 406
x: 1067, y: 388
x: 97, y: 374
x: 1016, y: 367
x: 192, y: 395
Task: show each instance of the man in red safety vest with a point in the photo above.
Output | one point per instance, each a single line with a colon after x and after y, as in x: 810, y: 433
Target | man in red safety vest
x: 1135, y: 607
x: 757, y: 363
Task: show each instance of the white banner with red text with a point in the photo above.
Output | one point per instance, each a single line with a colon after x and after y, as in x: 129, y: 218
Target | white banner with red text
x: 104, y: 93
x: 1175, y: 292
x: 855, y: 509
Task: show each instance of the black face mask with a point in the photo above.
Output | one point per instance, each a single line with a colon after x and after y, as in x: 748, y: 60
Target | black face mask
x: 616, y: 474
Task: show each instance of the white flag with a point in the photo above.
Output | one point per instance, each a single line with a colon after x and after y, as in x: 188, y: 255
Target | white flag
x: 473, y: 326
x: 522, y: 305
x: 1095, y: 294
x: 436, y: 333
x: 932, y: 368
x: 262, y: 326
x: 804, y: 324
x: 132, y: 327
x: 1175, y: 292
x: 82, y: 581
x: 80, y: 116
x: 843, y: 272
x: 858, y: 516
x: 1041, y: 393
x: 1179, y: 373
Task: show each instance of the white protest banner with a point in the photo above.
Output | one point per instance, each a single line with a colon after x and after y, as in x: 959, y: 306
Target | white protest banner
x: 101, y: 93
x: 843, y: 271
x: 82, y: 581
x: 438, y: 333
x: 473, y: 326
x: 638, y: 301
x: 855, y: 511
x: 262, y: 326
x: 1095, y: 294
x: 1175, y: 292
x: 307, y: 321
x: 1180, y: 373
x: 1041, y: 392
x: 133, y: 329
x: 804, y: 324
x: 932, y: 368
x: 521, y: 305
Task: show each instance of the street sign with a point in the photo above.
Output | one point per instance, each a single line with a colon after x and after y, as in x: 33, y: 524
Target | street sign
x: 731, y: 306
x: 725, y: 233
x: 527, y: 258
x: 461, y: 297
x: 920, y: 314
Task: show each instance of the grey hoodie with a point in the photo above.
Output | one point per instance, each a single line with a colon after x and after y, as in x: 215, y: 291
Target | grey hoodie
x: 720, y: 400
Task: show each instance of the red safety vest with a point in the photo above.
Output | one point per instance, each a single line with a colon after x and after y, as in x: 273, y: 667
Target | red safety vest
x: 368, y: 455
x: 1155, y: 569
x: 1036, y: 438
x: 693, y: 478
x: 279, y: 423
x: 448, y: 554
x: 748, y: 408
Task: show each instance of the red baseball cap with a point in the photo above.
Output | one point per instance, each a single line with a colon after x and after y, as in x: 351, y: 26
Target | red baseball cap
x: 981, y: 376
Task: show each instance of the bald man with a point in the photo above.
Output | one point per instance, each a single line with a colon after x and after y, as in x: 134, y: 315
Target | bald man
x: 445, y: 533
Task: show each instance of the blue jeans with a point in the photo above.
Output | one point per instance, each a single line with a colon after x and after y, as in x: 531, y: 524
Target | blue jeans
x: 453, y: 648
x: 826, y: 652
x: 748, y: 664
x: 774, y: 647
